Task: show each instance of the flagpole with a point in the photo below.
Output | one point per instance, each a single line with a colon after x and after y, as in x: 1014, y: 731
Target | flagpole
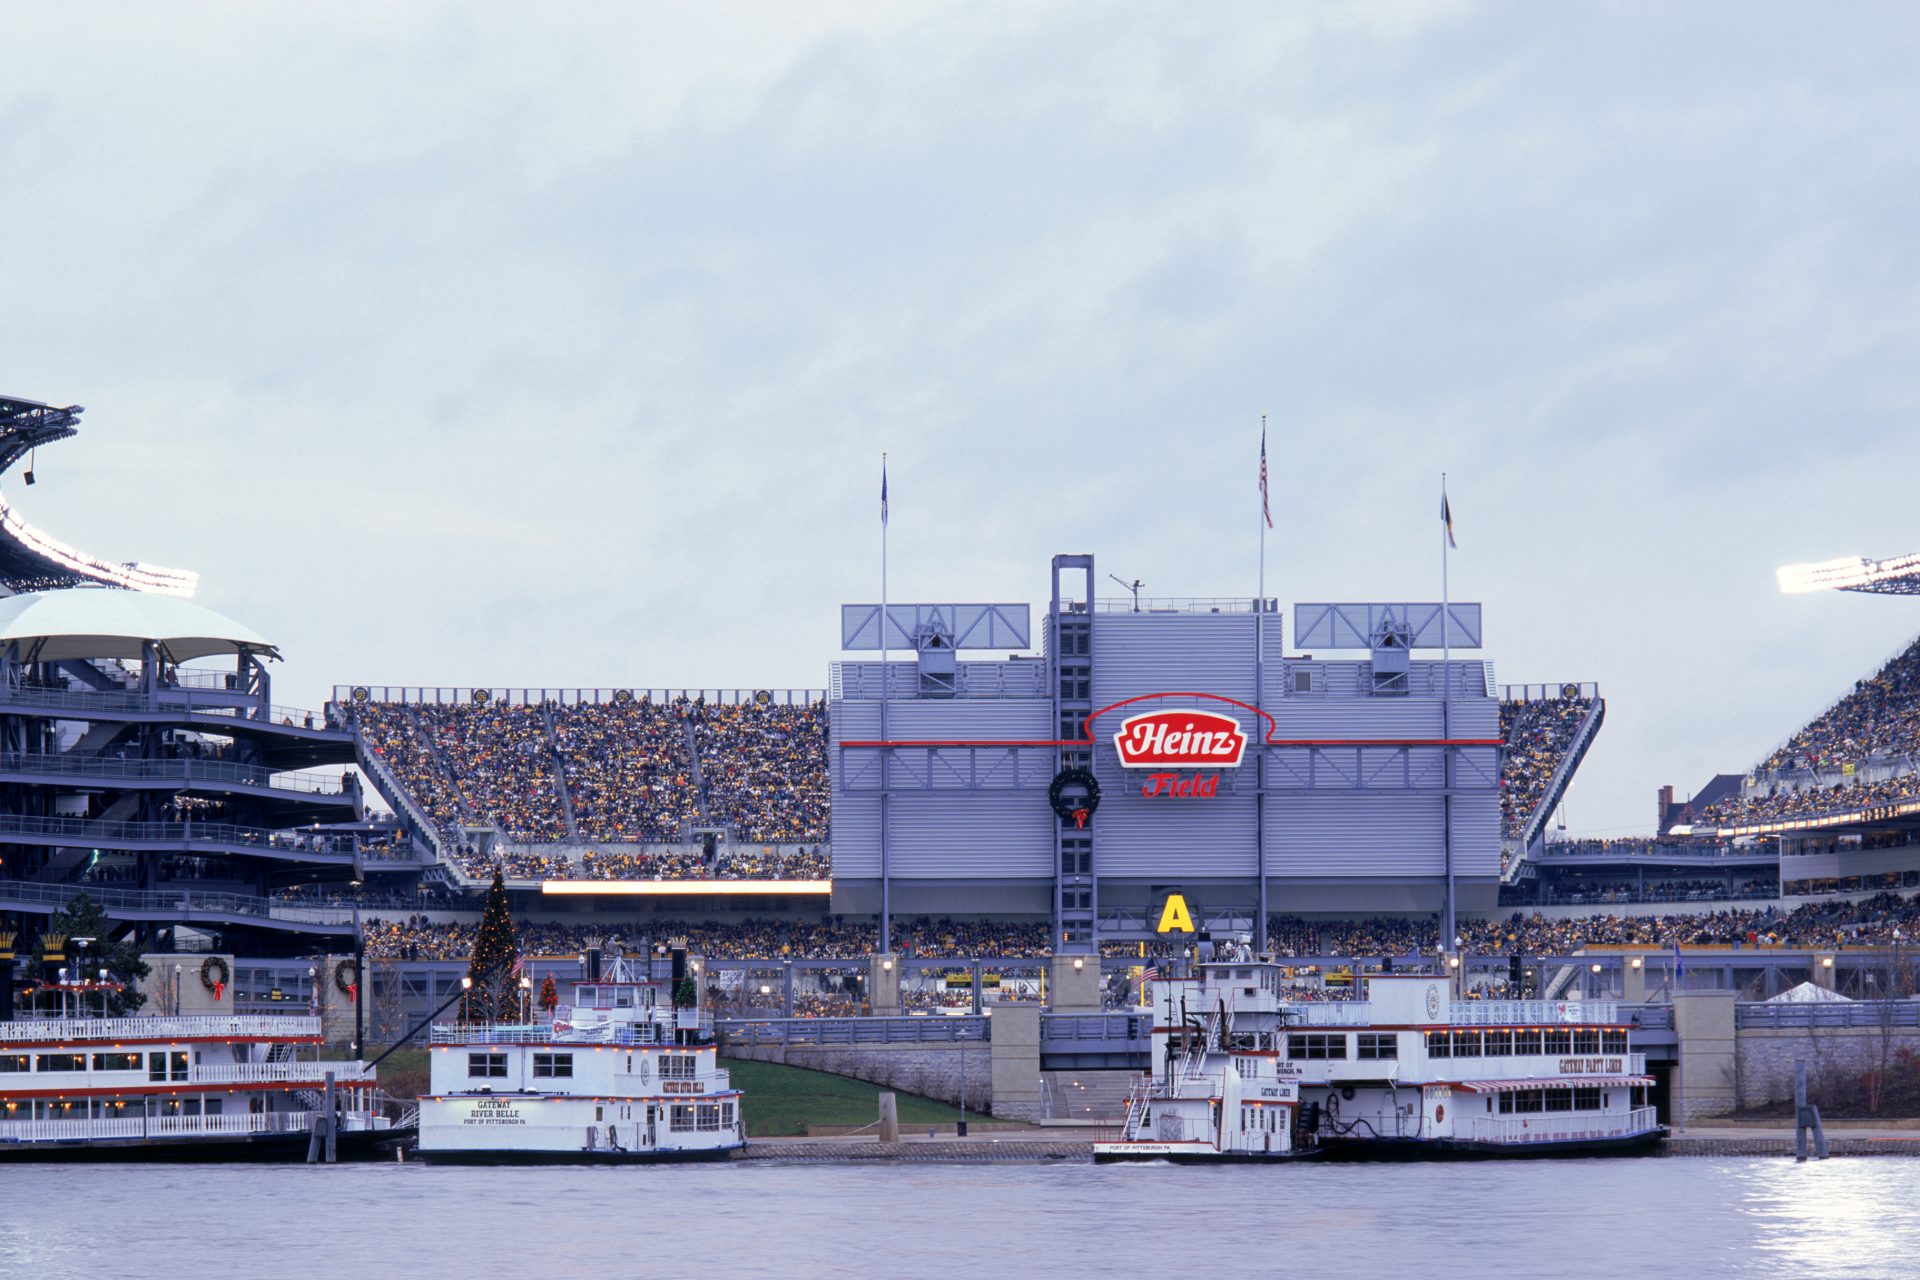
x: 886, y: 753
x: 1446, y: 711
x: 1259, y: 702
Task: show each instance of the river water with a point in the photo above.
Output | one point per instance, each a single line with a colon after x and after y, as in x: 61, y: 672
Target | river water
x: 1621, y: 1219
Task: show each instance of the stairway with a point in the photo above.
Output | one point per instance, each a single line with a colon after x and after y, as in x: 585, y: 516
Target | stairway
x: 699, y: 777
x: 559, y: 764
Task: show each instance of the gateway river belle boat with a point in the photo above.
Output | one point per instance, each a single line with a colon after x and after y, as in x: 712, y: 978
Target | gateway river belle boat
x: 620, y: 1075
x: 1242, y: 1073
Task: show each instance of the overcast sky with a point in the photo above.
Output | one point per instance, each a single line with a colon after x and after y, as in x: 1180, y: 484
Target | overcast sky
x: 558, y: 345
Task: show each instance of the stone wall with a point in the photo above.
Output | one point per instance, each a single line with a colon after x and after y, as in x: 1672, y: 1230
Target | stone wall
x: 1765, y: 1058
x: 930, y: 1070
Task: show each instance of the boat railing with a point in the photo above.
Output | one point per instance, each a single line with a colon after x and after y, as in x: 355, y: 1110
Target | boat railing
x: 1566, y: 1126
x: 141, y: 1030
x: 1465, y: 1013
x: 143, y: 1126
x: 631, y: 1033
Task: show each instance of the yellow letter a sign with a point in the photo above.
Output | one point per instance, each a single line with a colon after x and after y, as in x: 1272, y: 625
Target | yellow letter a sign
x: 1174, y: 917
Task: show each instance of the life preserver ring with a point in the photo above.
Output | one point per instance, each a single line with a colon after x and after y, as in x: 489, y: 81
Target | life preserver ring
x: 214, y: 975
x: 1074, y: 794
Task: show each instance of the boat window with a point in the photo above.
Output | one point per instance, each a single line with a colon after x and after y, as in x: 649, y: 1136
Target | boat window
x: 1377, y: 1045
x: 1439, y: 1044
x: 13, y: 1062
x: 1526, y: 1041
x: 553, y: 1066
x: 709, y: 1116
x: 1506, y: 1104
x: 116, y: 1062
x: 1586, y: 1040
x: 1317, y: 1045
x: 61, y: 1062
x: 676, y: 1066
x: 1613, y: 1040
x: 1559, y: 1099
x: 1587, y: 1098
x: 680, y: 1116
x: 1556, y: 1041
x: 487, y: 1066
x: 1498, y: 1043
x: 1528, y: 1102
x: 1466, y: 1044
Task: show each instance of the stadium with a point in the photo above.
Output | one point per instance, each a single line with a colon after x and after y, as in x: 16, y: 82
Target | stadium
x: 1000, y: 795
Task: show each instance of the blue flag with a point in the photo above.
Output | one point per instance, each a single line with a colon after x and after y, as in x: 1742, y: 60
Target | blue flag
x: 883, y: 489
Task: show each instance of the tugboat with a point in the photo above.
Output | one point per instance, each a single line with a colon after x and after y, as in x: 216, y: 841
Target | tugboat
x: 1218, y: 1092
x: 621, y: 1075
x: 1408, y: 1073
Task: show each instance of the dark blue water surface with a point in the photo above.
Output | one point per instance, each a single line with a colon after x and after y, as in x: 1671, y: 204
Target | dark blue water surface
x: 1621, y: 1219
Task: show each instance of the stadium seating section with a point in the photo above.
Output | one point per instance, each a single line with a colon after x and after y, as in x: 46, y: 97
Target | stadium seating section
x: 1538, y: 734
x: 633, y: 773
x: 1877, y: 920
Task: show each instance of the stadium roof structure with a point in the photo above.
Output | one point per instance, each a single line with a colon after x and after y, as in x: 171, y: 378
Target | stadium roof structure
x: 88, y: 622
x: 32, y: 560
x: 1894, y: 576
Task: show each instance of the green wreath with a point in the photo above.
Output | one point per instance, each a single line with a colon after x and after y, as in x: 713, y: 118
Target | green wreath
x: 343, y: 977
x: 1068, y: 807
x: 214, y: 974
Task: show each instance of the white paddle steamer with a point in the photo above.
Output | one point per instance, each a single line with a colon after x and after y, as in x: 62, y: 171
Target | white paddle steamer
x: 620, y: 1075
x: 1409, y: 1073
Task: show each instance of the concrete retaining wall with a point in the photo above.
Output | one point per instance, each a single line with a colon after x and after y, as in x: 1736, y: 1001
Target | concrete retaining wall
x: 930, y: 1070
x: 1765, y: 1058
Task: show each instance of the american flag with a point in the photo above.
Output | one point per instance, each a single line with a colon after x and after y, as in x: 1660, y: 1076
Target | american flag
x: 1150, y: 975
x: 1266, y: 507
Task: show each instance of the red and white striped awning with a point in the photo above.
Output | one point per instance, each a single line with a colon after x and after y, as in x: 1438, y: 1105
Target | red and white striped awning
x: 1563, y: 1082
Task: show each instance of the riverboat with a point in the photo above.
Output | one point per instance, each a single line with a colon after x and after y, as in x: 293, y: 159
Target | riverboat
x: 620, y: 1075
x: 1407, y: 1073
x: 204, y: 1087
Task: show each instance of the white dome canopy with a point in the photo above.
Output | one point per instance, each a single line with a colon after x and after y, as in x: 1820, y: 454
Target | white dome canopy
x: 94, y: 622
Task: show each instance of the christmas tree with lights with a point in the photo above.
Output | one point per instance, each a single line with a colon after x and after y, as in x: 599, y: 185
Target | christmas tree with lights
x: 491, y: 967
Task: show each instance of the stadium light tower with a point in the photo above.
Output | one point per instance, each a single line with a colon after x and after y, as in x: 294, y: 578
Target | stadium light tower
x: 1895, y: 576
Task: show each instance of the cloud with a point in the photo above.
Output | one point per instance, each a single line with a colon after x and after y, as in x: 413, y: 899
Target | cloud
x: 482, y: 344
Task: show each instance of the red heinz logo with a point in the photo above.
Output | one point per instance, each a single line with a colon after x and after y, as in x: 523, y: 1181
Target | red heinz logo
x: 1181, y: 739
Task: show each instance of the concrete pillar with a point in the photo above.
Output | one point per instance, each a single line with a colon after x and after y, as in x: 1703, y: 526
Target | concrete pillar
x: 1633, y: 981
x: 1016, y: 1061
x: 336, y: 1006
x: 1073, y: 984
x: 696, y: 969
x: 883, y: 984
x: 1822, y: 964
x: 1706, y: 1081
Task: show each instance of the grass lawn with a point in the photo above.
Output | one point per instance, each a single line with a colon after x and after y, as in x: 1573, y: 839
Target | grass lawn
x: 782, y: 1101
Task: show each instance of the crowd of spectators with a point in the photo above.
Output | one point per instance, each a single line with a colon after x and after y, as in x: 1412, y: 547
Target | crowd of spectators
x: 764, y: 767
x: 1538, y: 733
x: 629, y: 773
x: 1665, y: 890
x: 628, y: 768
x: 1864, y: 922
x: 1634, y: 847
x: 1781, y: 804
x: 1881, y: 716
x: 731, y: 862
